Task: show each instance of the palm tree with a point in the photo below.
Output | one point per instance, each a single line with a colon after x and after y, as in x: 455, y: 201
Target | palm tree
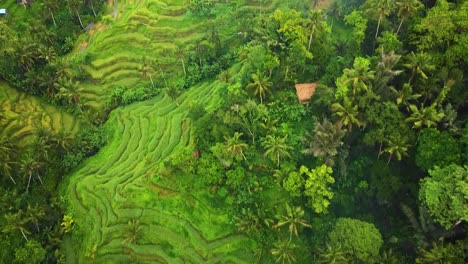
x: 407, y: 8
x: 46, y: 53
x: 293, y: 219
x: 284, y: 251
x: 359, y: 76
x: 424, y: 117
x: 405, y: 95
x: 379, y: 9
x: 235, y: 146
x: 260, y: 85
x: 396, y: 148
x: 27, y: 54
x: 315, y: 23
x: 146, y: 70
x: 420, y: 64
x: 180, y: 55
x: 133, y: 231
x: 29, y: 166
x: 91, y: 3
x: 347, y: 113
x: 34, y: 214
x: 7, y: 157
x: 325, y: 140
x: 51, y: 6
x: 276, y: 148
x: 68, y: 90
x: 15, y: 221
x: 332, y: 255
x: 75, y: 4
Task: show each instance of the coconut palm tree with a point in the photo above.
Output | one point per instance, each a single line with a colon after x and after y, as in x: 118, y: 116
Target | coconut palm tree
x: 347, y: 113
x: 397, y: 148
x: 146, y: 70
x: 293, y: 218
x: 235, y: 146
x: 424, y: 117
x: 69, y: 90
x: 359, y: 76
x: 325, y: 140
x: 34, y: 214
x: 315, y: 23
x: 284, y: 251
x: 15, y: 222
x: 276, y: 148
x: 133, y: 232
x: 7, y: 157
x: 405, y: 95
x: 420, y: 64
x: 46, y: 53
x: 332, y: 255
x: 180, y: 53
x: 406, y: 9
x: 30, y: 166
x: 260, y: 85
x: 51, y: 6
x: 75, y: 5
x: 379, y: 9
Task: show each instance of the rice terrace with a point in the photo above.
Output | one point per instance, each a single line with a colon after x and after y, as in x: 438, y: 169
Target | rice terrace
x: 233, y: 131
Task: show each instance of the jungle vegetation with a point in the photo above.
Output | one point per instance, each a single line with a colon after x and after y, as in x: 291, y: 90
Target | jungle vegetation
x: 147, y: 131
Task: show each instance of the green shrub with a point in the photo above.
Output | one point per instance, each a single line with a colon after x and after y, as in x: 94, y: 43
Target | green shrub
x: 361, y: 239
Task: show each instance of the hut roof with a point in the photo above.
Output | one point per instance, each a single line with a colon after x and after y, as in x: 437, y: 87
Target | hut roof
x: 305, y: 91
x: 3, y: 11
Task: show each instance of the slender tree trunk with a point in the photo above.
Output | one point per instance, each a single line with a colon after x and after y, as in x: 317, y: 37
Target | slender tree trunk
x: 183, y: 67
x: 261, y: 99
x: 29, y: 181
x: 79, y: 18
x: 378, y: 26
x: 151, y: 79
x: 12, y: 179
x: 53, y: 17
x: 92, y: 7
x: 310, y: 39
x: 22, y: 232
x: 162, y: 74
x: 398, y: 30
x: 380, y: 150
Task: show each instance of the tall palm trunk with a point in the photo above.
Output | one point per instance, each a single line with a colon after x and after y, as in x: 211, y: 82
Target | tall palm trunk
x: 79, y: 18
x: 53, y: 17
x: 401, y: 23
x: 92, y: 7
x: 22, y: 232
x: 310, y: 39
x: 378, y: 26
x: 183, y: 67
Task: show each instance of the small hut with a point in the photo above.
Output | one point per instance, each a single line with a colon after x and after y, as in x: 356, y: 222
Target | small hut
x: 305, y: 91
x: 3, y: 12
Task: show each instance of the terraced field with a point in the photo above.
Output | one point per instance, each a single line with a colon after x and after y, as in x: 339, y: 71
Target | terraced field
x: 23, y: 114
x: 151, y: 31
x: 121, y: 184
